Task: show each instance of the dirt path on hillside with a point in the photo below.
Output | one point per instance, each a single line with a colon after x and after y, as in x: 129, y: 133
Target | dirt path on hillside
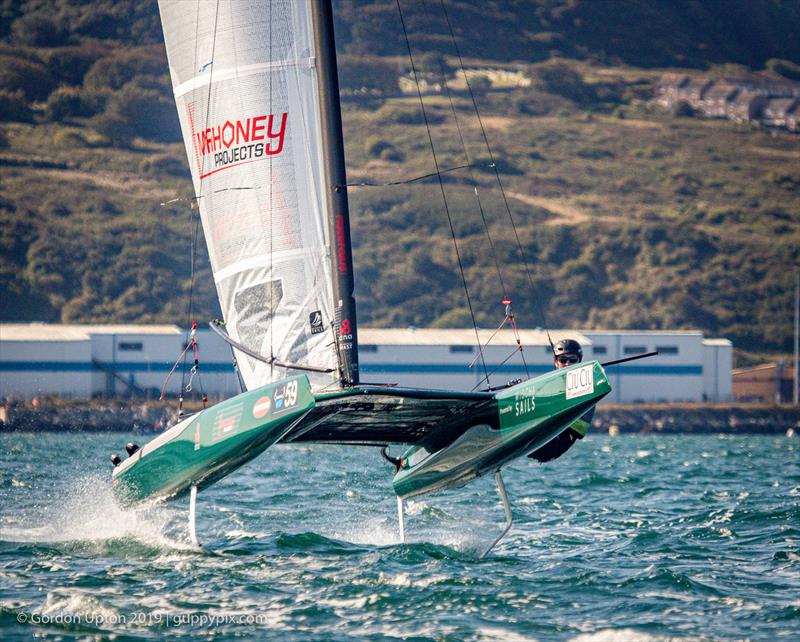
x: 563, y: 212
x: 111, y: 181
x: 780, y: 153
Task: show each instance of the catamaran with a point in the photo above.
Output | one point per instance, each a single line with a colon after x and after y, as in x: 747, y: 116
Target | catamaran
x: 256, y: 88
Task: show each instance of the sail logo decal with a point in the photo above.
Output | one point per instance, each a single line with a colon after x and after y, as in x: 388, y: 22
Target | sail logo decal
x: 524, y: 403
x: 580, y: 382
x: 315, y: 321
x: 235, y: 142
x: 262, y: 407
x: 226, y: 422
x: 285, y: 396
x: 341, y: 246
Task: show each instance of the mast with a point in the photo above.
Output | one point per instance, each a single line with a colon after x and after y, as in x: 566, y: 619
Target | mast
x: 335, y: 179
x: 796, y: 378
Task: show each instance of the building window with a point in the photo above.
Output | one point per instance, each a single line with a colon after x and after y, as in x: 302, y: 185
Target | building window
x: 667, y: 349
x: 461, y: 349
x: 599, y: 350
x: 367, y: 347
x: 635, y: 349
x: 130, y: 346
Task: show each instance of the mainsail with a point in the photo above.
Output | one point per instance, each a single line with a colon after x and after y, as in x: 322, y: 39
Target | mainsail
x: 245, y: 78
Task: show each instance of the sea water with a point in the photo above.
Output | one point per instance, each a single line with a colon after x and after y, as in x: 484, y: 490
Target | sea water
x: 629, y: 538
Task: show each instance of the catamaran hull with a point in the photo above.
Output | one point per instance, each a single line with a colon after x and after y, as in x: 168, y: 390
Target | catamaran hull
x: 529, y: 415
x: 462, y: 436
x: 213, y: 443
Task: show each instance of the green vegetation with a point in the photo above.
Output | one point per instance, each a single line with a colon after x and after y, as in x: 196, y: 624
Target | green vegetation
x: 628, y: 217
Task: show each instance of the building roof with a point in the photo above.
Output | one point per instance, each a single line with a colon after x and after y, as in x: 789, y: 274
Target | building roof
x: 64, y: 332
x: 780, y: 105
x: 643, y: 333
x: 462, y: 336
x: 720, y: 90
x: 41, y: 332
x: 746, y: 96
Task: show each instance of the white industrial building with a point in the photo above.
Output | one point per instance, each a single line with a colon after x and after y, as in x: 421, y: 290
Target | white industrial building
x: 80, y: 361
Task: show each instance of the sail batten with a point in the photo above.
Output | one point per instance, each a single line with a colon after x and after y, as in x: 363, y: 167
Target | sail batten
x: 204, y: 79
x: 244, y: 75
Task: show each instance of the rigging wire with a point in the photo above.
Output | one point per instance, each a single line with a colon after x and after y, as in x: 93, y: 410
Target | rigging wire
x: 499, y: 365
x: 509, y: 314
x: 470, y: 164
x: 271, y: 223
x: 496, y: 170
x: 189, y: 337
x: 192, y: 324
x: 412, y: 180
x: 441, y: 183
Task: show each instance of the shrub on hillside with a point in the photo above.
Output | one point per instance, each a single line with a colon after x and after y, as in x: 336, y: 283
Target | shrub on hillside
x: 393, y: 114
x: 563, y: 79
x: 113, y: 127
x: 69, y: 139
x: 4, y: 144
x: 165, y: 164
x: 69, y: 102
x: 785, y: 68
x: 37, y: 30
x: 393, y: 155
x: 148, y: 113
x: 375, y: 145
x: 29, y: 76
x: 431, y: 62
x: 14, y: 107
x: 368, y: 72
x: 70, y: 64
x: 123, y: 66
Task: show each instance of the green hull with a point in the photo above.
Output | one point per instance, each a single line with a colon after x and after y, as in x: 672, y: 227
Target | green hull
x: 213, y: 443
x: 528, y: 416
x: 456, y: 436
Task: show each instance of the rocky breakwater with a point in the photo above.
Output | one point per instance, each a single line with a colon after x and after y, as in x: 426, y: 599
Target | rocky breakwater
x: 54, y: 415
x: 697, y: 418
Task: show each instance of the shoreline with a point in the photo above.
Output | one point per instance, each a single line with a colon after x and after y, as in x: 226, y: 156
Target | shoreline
x: 152, y: 417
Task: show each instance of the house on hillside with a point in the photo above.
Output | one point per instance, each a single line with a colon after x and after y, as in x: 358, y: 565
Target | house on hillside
x: 793, y: 118
x: 715, y: 101
x: 773, y: 89
x: 428, y: 84
x: 746, y: 106
x: 666, y: 92
x: 693, y: 91
x: 776, y: 103
x: 776, y: 111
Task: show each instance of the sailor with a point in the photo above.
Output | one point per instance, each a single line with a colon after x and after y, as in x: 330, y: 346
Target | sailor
x: 566, y: 353
x: 131, y: 448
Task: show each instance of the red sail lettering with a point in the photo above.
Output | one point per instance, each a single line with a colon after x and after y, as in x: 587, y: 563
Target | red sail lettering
x: 258, y: 127
x: 278, y: 135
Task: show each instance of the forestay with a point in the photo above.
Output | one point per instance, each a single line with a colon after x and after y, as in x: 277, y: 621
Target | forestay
x: 245, y: 83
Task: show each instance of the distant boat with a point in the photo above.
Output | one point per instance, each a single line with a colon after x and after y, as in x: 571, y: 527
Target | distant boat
x: 256, y: 89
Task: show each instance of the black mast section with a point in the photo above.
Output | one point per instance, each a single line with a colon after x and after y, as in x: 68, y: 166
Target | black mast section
x: 335, y: 191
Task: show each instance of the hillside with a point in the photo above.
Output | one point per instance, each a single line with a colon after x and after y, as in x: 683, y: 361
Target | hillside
x: 628, y: 216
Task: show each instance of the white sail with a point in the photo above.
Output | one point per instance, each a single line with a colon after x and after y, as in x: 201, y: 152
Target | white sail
x: 245, y: 83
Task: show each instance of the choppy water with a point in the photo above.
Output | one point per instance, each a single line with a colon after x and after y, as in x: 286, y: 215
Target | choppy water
x: 627, y: 538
